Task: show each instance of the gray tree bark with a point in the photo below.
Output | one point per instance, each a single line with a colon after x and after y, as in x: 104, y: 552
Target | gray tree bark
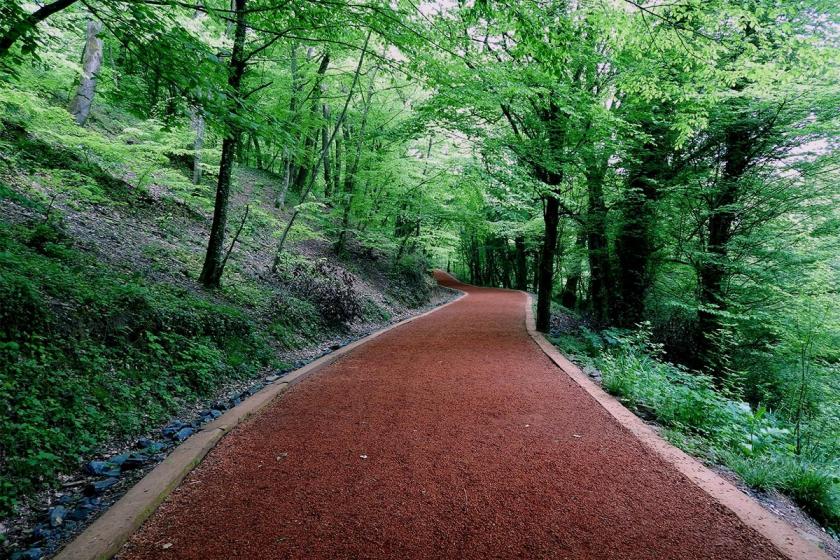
x: 91, y: 63
x: 198, y: 126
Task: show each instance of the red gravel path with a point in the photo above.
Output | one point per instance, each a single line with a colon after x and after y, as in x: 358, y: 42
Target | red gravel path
x: 449, y: 437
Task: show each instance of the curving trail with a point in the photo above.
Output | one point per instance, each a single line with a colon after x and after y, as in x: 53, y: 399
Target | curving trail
x: 453, y: 436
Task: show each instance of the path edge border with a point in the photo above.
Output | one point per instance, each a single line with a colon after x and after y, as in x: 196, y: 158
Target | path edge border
x: 781, y: 534
x: 105, y: 537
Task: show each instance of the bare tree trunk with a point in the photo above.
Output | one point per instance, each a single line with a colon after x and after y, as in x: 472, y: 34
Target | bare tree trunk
x: 211, y: 273
x: 91, y: 62
x: 325, y: 135
x: 307, y: 169
x: 280, y: 202
x: 521, y: 263
x: 257, y: 151
x: 551, y: 217
x: 198, y: 126
x: 338, y: 163
x: 569, y: 295
x: 598, y: 249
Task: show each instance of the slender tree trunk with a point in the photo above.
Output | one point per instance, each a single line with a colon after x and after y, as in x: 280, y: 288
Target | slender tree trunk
x: 198, y: 126
x: 350, y: 174
x: 535, y: 282
x: 569, y: 295
x: 599, y: 260
x: 521, y: 263
x: 551, y: 218
x: 306, y: 192
x: 325, y: 135
x: 506, y: 264
x: 337, y: 171
x: 211, y: 273
x: 91, y: 63
x: 257, y: 151
x: 280, y: 202
x: 307, y: 167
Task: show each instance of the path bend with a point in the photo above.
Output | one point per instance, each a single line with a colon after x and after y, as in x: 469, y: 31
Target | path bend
x: 452, y: 436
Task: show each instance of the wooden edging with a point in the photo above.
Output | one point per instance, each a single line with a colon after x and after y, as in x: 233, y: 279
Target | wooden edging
x: 106, y: 536
x: 781, y: 534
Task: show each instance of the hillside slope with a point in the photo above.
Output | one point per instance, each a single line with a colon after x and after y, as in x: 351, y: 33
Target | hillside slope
x: 106, y: 333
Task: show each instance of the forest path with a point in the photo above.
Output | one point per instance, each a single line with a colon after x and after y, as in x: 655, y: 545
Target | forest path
x: 452, y: 436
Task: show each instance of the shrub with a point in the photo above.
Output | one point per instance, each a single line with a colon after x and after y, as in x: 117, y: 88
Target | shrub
x: 754, y: 442
x: 330, y: 288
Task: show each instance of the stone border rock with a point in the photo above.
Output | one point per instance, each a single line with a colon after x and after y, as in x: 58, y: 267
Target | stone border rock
x: 105, y: 537
x: 783, y: 536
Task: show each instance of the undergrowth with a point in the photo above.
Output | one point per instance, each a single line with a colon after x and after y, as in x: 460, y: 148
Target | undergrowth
x: 91, y: 355
x: 754, y: 441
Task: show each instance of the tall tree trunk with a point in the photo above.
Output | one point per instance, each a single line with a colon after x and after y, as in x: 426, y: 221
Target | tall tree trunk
x: 569, y: 295
x: 311, y: 155
x: 212, y: 270
x: 600, y: 281
x: 551, y: 218
x: 91, y: 62
x: 633, y: 245
x: 198, y: 126
x: 258, y: 158
x: 713, y: 268
x: 280, y: 202
x: 521, y: 263
x: 336, y: 188
x: 350, y: 173
x: 330, y: 140
x: 325, y: 135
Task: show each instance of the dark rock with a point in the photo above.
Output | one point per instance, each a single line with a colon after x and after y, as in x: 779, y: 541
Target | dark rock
x: 208, y: 415
x: 97, y: 467
x: 135, y: 461
x: 100, y: 486
x: 235, y: 401
x: 84, y: 509
x: 335, y: 346
x: 183, y: 434
x: 150, y: 446
x: 118, y: 460
x: 172, y: 428
x: 30, y: 554
x: 42, y: 531
x: 57, y: 515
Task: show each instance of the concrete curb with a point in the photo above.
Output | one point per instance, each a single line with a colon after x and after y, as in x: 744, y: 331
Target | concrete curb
x: 105, y: 537
x: 782, y: 535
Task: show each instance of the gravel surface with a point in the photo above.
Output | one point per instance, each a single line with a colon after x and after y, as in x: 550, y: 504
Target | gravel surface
x: 453, y: 436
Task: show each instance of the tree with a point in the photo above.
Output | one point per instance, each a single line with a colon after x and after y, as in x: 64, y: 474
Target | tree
x: 211, y: 272
x: 91, y: 62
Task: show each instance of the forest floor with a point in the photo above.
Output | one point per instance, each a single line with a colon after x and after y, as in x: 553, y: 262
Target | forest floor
x: 449, y: 437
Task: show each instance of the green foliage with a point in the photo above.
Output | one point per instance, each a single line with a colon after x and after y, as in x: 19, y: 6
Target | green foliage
x: 754, y: 442
x: 91, y: 354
